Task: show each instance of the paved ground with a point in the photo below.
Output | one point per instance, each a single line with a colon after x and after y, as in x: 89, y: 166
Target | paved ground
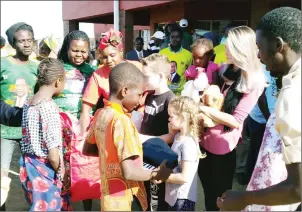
x: 16, y: 200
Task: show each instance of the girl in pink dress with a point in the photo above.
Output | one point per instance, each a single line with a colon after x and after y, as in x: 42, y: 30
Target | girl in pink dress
x: 203, y: 52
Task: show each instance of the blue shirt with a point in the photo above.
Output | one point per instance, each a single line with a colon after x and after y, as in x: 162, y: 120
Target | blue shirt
x: 270, y: 94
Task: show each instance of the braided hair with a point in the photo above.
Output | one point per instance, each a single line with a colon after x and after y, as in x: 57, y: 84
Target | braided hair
x: 74, y: 35
x: 49, y: 70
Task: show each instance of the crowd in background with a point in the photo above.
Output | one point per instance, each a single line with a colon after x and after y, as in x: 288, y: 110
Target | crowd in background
x: 225, y: 103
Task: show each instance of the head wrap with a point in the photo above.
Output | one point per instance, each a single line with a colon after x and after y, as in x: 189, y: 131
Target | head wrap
x: 10, y: 33
x: 111, y: 38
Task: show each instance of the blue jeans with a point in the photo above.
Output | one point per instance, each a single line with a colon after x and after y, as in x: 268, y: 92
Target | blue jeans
x: 7, y: 151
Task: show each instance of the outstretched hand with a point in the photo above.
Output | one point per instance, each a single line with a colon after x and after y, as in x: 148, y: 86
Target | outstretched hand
x: 231, y: 201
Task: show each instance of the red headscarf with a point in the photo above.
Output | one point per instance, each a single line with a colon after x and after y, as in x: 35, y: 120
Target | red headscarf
x: 111, y: 38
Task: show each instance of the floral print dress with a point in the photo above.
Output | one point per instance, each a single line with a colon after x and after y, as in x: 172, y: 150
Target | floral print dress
x: 270, y: 168
x: 41, y: 131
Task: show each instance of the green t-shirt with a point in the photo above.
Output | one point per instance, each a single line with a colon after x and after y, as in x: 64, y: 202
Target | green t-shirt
x: 17, y: 83
x: 70, y: 100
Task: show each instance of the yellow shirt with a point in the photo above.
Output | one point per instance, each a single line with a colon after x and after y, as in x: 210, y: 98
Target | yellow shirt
x: 288, y: 114
x: 183, y: 58
x: 220, y: 54
x: 117, y: 139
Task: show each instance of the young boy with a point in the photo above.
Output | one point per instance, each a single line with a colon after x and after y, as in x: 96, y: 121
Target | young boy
x: 118, y: 144
x: 157, y: 70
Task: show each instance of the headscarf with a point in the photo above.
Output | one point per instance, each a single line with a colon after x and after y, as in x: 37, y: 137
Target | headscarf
x: 10, y: 33
x: 111, y: 38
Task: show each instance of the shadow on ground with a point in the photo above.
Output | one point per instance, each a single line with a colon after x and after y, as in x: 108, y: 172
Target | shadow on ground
x: 16, y: 200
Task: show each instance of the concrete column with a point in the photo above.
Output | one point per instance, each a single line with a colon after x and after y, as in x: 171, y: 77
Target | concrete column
x: 126, y: 27
x: 69, y: 26
x: 258, y: 8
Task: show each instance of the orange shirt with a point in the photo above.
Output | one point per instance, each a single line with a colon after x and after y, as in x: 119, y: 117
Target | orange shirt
x: 98, y: 85
x: 117, y: 139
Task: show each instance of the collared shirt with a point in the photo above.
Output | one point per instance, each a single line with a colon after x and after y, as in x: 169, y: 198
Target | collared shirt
x: 288, y: 114
x: 140, y: 54
x: 183, y: 58
x: 270, y: 94
x: 117, y: 139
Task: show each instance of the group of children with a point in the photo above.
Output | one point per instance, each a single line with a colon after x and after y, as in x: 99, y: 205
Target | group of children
x: 125, y: 184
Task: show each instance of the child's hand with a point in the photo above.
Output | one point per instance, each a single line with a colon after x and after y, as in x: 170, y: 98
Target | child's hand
x: 163, y: 172
x: 157, y: 181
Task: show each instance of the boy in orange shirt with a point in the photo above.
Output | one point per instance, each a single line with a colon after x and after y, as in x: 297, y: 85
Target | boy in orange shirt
x: 119, y: 147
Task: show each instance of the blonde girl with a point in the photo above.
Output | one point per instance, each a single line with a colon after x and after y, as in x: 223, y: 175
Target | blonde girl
x: 181, y: 186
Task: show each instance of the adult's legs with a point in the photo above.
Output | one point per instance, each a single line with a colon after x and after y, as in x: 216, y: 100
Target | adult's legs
x: 7, y: 151
x: 216, y: 174
x: 87, y: 204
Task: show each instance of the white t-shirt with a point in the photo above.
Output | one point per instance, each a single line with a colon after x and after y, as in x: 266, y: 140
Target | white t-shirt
x: 186, y: 149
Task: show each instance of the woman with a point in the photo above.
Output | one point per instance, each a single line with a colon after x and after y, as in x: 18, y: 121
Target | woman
x: 111, y: 53
x: 246, y: 83
x: 74, y: 54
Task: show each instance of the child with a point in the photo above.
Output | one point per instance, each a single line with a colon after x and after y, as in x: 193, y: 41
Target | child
x: 41, y: 163
x: 157, y: 70
x: 118, y: 144
x: 202, y: 51
x: 181, y: 186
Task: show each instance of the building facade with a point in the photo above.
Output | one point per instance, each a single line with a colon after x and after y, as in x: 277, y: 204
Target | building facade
x: 137, y: 16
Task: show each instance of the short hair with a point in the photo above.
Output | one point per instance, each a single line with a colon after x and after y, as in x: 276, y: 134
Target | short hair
x: 2, y: 41
x: 139, y: 39
x: 284, y: 22
x: 74, y: 35
x: 177, y: 29
x: 25, y: 28
x: 124, y: 74
x: 173, y: 61
x: 158, y: 63
x: 203, y: 42
x: 49, y: 70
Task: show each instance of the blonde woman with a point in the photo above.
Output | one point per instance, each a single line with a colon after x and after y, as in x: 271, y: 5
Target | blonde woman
x: 245, y: 82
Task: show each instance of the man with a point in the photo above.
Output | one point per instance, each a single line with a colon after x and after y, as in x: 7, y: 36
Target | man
x: 138, y: 53
x: 155, y: 42
x: 14, y: 69
x: 279, y: 40
x: 188, y: 39
x: 175, y: 52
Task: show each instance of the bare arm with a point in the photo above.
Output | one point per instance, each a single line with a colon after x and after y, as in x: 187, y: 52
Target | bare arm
x: 184, y: 176
x: 54, y: 158
x: 85, y: 117
x: 284, y: 193
x: 220, y: 117
x: 133, y: 172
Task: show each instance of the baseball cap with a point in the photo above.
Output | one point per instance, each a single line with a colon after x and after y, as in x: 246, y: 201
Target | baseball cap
x: 159, y: 35
x: 183, y: 23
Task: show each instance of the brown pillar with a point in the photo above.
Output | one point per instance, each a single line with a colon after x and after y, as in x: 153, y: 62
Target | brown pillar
x: 126, y: 27
x: 69, y: 26
x: 258, y: 8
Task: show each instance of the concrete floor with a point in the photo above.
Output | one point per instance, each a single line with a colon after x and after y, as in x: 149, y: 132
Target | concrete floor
x: 16, y: 200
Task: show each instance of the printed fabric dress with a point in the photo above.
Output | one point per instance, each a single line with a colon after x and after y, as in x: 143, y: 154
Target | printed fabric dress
x: 40, y: 133
x: 70, y: 104
x: 270, y: 168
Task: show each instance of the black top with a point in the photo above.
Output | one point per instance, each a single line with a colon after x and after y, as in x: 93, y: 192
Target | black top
x: 155, y: 120
x: 10, y: 116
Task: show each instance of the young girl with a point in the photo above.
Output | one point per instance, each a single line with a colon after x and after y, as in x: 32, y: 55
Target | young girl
x: 181, y: 186
x: 41, y: 163
x: 203, y: 52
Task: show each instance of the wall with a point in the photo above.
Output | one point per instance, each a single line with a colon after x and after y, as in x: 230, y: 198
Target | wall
x: 74, y: 9
x: 170, y: 12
